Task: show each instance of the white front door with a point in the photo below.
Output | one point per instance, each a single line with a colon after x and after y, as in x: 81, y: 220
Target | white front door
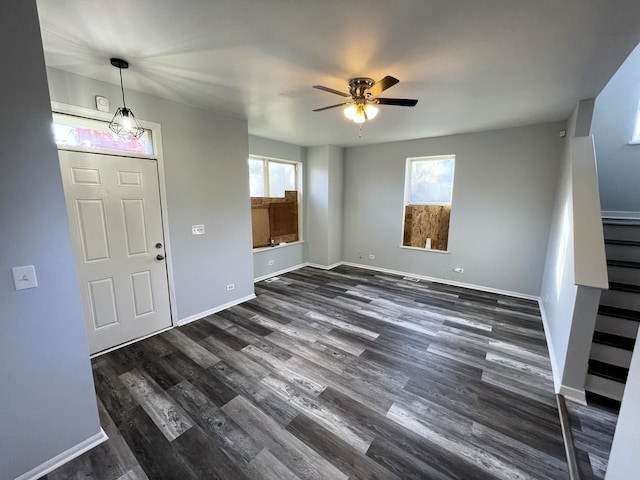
x: 116, y: 227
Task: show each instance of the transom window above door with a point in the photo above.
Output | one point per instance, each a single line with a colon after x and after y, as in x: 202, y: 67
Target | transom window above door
x: 72, y: 132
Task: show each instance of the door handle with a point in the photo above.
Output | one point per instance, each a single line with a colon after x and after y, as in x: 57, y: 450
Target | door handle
x: 160, y: 257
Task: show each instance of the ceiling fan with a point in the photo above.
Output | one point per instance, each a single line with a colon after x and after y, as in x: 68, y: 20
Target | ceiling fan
x: 363, y: 98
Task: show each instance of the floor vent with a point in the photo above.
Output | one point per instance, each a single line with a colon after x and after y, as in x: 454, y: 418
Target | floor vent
x: 272, y: 279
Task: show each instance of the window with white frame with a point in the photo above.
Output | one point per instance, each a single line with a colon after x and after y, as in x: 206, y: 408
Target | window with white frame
x: 274, y: 186
x: 427, y: 204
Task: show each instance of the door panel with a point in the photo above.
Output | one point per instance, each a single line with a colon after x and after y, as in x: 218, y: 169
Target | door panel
x: 115, y: 218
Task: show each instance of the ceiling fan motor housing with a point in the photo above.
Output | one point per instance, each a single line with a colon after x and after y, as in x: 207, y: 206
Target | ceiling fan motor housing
x: 359, y: 86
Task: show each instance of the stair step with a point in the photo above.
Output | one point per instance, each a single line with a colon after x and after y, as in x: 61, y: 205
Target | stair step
x: 612, y: 340
x: 603, y: 402
x: 626, y: 222
x: 604, y: 386
x: 617, y: 326
x: 621, y: 274
x: 623, y: 263
x: 612, y: 355
x: 619, y: 313
x: 627, y: 243
x: 620, y: 298
x: 606, y: 370
x: 624, y: 287
x: 627, y: 250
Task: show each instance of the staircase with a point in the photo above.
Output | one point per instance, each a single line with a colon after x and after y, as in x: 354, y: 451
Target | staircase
x: 618, y: 316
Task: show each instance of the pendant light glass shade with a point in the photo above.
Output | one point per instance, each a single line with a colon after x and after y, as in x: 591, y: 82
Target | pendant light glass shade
x: 124, y: 122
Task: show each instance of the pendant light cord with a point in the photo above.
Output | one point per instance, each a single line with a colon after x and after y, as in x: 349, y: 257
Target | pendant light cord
x: 124, y: 104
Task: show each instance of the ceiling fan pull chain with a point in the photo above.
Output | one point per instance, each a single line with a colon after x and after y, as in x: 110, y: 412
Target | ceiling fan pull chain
x: 360, y: 130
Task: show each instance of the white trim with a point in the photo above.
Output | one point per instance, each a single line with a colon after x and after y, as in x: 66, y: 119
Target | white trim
x: 420, y: 249
x: 279, y: 272
x: 620, y: 215
x: 286, y: 244
x: 573, y: 394
x: 135, y: 340
x: 324, y: 267
x: 64, y: 457
x: 156, y: 137
x: 446, y: 282
x: 557, y: 381
x: 198, y: 316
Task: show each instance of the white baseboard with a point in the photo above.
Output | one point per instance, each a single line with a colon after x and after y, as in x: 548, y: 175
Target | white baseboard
x: 620, y: 215
x: 279, y: 272
x: 557, y: 381
x: 446, y: 282
x: 219, y: 308
x: 573, y: 394
x: 324, y: 267
x: 64, y: 457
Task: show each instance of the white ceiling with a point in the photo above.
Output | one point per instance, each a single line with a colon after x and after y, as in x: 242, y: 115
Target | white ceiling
x: 473, y: 64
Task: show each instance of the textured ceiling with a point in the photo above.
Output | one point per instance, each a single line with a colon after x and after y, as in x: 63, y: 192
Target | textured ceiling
x: 472, y: 64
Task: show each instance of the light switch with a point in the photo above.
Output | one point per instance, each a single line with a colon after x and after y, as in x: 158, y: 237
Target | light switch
x: 197, y: 229
x: 24, y: 277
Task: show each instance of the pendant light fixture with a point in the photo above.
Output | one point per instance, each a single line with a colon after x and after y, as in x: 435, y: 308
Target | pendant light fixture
x: 124, y: 122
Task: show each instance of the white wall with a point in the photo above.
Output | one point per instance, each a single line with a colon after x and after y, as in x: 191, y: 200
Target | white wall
x: 207, y: 182
x: 336, y: 204
x: 324, y: 175
x: 613, y: 123
x: 47, y: 400
x: 575, y: 265
x: 504, y: 188
x: 289, y: 256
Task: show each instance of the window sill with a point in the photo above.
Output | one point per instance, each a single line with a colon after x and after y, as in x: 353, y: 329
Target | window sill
x: 424, y: 249
x: 282, y: 245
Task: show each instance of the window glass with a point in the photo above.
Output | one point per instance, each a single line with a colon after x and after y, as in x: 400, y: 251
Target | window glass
x: 256, y: 178
x: 431, y: 181
x: 79, y: 132
x: 282, y: 176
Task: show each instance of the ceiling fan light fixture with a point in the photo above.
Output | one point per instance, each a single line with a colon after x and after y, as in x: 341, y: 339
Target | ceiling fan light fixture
x: 360, y: 116
x: 371, y: 111
x: 124, y: 123
x: 350, y: 111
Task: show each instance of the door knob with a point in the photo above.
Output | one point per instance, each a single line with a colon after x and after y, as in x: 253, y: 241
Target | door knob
x: 160, y: 257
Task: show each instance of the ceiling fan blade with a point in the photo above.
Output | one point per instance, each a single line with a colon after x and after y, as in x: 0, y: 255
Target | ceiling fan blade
x: 331, y: 90
x: 402, y: 102
x: 381, y: 85
x: 332, y: 106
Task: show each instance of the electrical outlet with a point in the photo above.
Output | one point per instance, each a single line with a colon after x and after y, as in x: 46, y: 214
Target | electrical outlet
x: 458, y: 270
x: 271, y: 262
x: 360, y: 254
x: 230, y: 287
x: 372, y: 257
x: 197, y: 229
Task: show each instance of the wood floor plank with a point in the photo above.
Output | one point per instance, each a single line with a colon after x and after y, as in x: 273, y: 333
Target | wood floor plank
x: 300, y: 458
x: 224, y: 432
x: 265, y: 466
x: 168, y: 417
x: 347, y: 373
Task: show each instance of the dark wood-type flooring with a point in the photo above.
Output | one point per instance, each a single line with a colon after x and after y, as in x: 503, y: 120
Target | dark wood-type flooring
x: 334, y: 374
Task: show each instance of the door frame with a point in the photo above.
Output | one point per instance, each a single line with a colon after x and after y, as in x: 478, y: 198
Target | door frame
x: 156, y: 137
